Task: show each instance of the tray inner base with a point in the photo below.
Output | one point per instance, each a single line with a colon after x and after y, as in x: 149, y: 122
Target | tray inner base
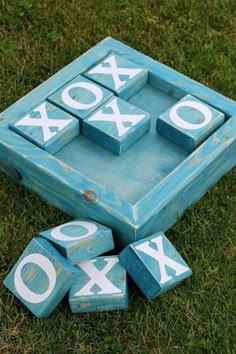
x: 132, y: 175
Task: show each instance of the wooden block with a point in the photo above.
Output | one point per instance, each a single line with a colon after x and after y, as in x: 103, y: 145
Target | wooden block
x: 101, y: 285
x: 189, y: 122
x: 47, y: 126
x: 154, y: 264
x: 41, y: 277
x: 80, y: 239
x: 119, y: 75
x: 117, y: 125
x: 80, y: 97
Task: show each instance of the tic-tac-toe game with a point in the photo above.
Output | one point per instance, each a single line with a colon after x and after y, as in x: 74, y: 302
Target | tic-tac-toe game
x: 124, y: 145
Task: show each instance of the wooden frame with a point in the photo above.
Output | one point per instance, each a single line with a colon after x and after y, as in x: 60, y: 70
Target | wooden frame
x: 62, y: 186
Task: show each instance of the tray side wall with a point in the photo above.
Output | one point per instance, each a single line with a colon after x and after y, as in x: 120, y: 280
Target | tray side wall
x: 188, y: 182
x: 62, y: 187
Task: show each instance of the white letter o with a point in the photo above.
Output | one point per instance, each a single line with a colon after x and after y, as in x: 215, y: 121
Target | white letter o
x: 66, y: 98
x: 58, y: 234
x: 47, y: 266
x: 185, y: 125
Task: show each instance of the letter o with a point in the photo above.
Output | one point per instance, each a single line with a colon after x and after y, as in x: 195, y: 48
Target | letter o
x: 47, y: 266
x: 59, y: 235
x: 66, y: 98
x: 185, y: 125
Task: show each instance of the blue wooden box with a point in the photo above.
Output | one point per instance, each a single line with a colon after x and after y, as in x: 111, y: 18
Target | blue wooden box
x: 141, y: 191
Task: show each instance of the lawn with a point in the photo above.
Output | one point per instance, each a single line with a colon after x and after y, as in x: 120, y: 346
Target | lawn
x: 197, y: 38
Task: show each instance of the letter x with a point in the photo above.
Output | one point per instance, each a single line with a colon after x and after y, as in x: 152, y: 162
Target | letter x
x: 44, y: 122
x: 115, y: 71
x: 98, y: 277
x: 117, y: 117
x: 162, y: 259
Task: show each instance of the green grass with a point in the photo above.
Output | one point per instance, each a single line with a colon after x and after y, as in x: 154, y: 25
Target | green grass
x: 197, y: 38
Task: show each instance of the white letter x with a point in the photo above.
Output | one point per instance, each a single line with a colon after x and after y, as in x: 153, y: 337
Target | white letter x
x: 44, y: 122
x: 117, y: 117
x: 98, y: 277
x: 115, y: 71
x: 162, y: 259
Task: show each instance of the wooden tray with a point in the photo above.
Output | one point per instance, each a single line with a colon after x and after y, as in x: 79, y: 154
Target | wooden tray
x: 143, y: 190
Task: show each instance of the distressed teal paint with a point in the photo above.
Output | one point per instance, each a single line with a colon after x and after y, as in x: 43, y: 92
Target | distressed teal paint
x: 85, y: 94
x: 189, y: 122
x: 132, y: 200
x: 80, y: 239
x: 97, y: 296
x: 122, y: 76
x: 48, y: 136
x: 114, y: 134
x: 51, y: 283
x: 154, y: 265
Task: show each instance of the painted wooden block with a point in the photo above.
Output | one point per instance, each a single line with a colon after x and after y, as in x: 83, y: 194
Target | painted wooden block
x: 80, y: 97
x: 120, y: 75
x: 101, y: 285
x: 47, y: 126
x: 80, y: 240
x: 117, y: 125
x: 41, y: 277
x: 154, y: 265
x: 189, y: 122
x: 142, y: 191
